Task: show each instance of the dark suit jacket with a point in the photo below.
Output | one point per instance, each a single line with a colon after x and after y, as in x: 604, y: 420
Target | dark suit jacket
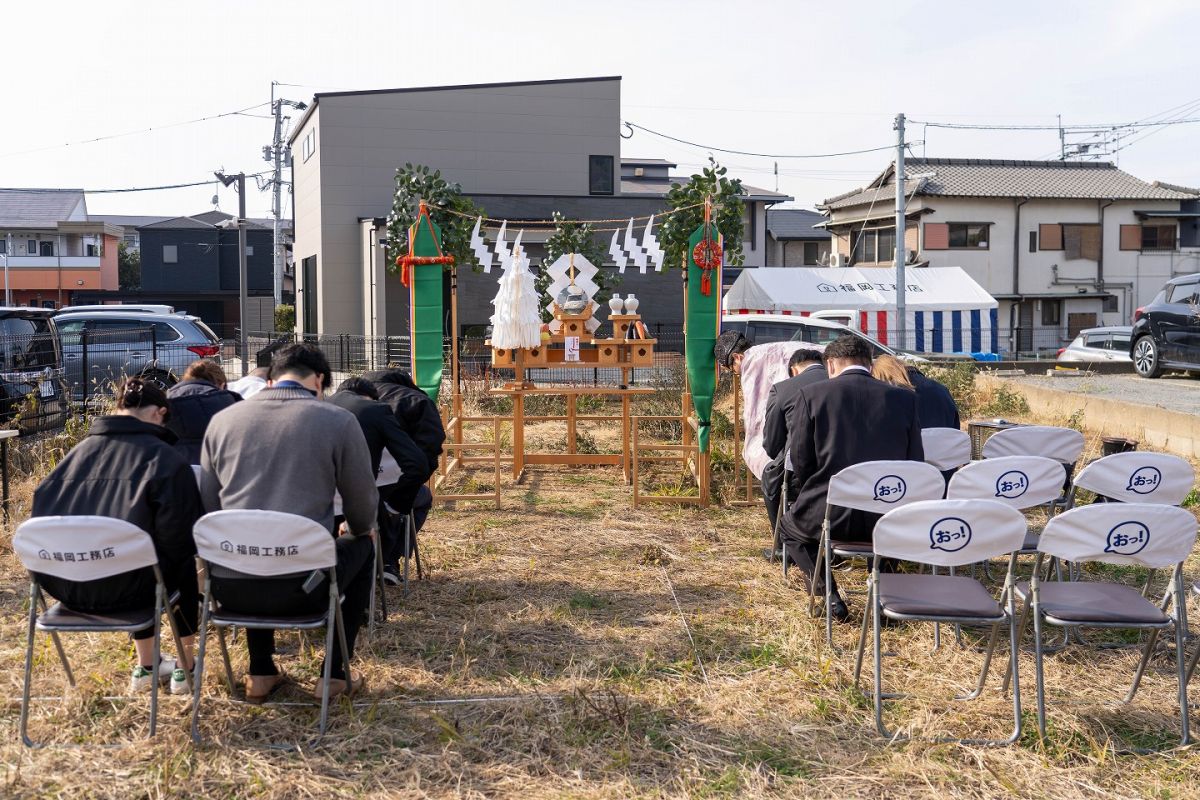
x: 935, y: 404
x: 780, y: 402
x: 837, y: 423
x: 383, y: 431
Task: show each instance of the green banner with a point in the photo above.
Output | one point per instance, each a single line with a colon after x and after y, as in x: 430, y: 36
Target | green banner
x: 425, y: 308
x: 700, y: 328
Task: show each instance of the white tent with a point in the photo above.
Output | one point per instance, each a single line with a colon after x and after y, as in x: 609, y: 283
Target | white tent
x: 947, y: 311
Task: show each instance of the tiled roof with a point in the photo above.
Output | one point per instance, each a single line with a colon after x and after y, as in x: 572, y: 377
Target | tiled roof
x: 659, y: 188
x: 126, y: 220
x: 795, y: 223
x: 38, y: 208
x: 209, y: 219
x: 179, y: 223
x: 962, y: 177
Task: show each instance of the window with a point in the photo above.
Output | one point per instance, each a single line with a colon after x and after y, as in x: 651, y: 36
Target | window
x: 1051, y: 312
x: 90, y: 249
x: 1158, y: 237
x: 47, y: 249
x: 1182, y: 293
x: 600, y: 174
x: 31, y: 247
x: 170, y: 254
x: 885, y: 245
x: 131, y: 238
x: 1081, y: 242
x: 309, y: 145
x: 27, y: 343
x: 812, y: 253
x: 864, y: 248
x: 3, y: 247
x: 1033, y: 241
x: 875, y: 246
x: 1098, y: 341
x: 165, y: 333
x: 1111, y: 304
x: 1120, y: 342
x: 249, y: 250
x: 964, y: 235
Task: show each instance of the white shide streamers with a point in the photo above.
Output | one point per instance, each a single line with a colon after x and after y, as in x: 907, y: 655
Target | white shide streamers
x: 517, y: 322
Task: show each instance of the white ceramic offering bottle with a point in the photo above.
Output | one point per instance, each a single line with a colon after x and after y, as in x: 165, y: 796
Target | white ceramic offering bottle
x: 614, y: 304
x: 631, y: 304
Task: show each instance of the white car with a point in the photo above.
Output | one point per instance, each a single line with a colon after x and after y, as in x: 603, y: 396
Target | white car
x: 766, y: 328
x: 1094, y: 345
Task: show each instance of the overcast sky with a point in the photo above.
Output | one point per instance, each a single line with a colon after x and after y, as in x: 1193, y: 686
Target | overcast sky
x: 768, y: 77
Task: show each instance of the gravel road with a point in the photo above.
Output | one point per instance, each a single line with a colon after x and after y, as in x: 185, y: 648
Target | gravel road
x: 1176, y: 392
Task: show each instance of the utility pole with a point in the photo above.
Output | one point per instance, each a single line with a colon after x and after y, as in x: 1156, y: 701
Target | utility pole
x: 278, y: 153
x: 1062, y: 141
x: 240, y: 180
x: 8, y: 245
x: 901, y: 310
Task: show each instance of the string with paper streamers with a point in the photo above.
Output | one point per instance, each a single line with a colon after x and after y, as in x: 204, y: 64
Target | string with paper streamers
x: 650, y: 242
x: 517, y: 322
x: 619, y: 256
x: 480, y: 248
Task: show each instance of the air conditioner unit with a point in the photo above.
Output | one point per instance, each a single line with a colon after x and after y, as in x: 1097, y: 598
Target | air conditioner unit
x: 837, y: 260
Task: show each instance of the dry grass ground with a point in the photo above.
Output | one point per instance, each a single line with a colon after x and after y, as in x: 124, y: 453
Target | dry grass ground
x: 569, y: 646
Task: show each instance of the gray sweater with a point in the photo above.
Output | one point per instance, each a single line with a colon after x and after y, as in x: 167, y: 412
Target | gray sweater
x: 283, y: 450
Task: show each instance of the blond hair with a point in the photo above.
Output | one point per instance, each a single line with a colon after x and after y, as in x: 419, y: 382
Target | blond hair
x: 890, y: 369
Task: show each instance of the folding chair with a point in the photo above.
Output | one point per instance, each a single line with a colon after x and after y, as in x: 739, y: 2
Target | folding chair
x: 944, y: 533
x: 1064, y: 445
x: 1143, y: 534
x: 876, y: 487
x: 55, y: 546
x: 377, y: 604
x: 249, y: 544
x: 1136, y: 477
x: 946, y: 448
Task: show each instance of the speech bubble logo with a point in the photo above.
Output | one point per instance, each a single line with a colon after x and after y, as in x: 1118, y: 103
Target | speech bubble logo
x: 1144, y: 480
x: 1127, y: 538
x: 890, y: 489
x: 950, y: 534
x: 1012, y: 484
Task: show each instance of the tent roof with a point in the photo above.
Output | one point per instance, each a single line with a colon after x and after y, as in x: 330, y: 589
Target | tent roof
x: 799, y: 289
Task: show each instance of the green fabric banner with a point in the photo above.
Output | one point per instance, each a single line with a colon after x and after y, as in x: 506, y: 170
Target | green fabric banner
x: 425, y: 308
x: 700, y: 328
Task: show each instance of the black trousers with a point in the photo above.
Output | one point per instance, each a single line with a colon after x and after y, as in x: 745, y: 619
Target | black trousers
x: 282, y: 596
x: 133, y: 590
x: 391, y: 526
x: 772, y: 487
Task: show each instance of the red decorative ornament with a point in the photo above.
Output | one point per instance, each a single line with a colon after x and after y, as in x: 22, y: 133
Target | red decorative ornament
x: 707, y: 255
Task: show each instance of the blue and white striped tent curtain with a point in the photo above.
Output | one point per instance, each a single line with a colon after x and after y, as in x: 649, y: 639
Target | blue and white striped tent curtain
x: 973, y: 330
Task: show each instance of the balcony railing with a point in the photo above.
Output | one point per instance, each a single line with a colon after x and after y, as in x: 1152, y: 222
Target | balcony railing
x: 53, y: 262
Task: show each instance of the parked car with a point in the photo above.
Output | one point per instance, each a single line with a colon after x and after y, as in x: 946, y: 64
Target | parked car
x: 766, y: 328
x: 1166, y: 331
x: 32, y: 388
x: 1095, y: 345
x: 106, y: 343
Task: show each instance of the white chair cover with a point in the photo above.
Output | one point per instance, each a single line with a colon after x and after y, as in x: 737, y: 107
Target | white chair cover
x: 1139, y: 478
x: 950, y: 533
x: 83, y: 548
x: 946, y: 448
x: 879, y: 486
x: 1145, y: 534
x: 1062, y: 444
x: 389, y: 470
x: 1017, y: 481
x: 264, y: 543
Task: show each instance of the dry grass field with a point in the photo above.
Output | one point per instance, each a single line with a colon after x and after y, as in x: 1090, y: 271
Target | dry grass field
x: 566, y: 645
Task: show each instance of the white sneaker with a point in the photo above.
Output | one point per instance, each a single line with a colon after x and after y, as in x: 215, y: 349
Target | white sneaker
x: 140, y: 680
x: 179, y: 681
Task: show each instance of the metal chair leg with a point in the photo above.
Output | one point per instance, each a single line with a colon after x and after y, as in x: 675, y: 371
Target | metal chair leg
x: 159, y: 608
x: 408, y: 537
x: 862, y: 636
x: 198, y: 674
x: 25, y: 693
x: 328, y: 672
x: 62, y: 653
x: 1039, y: 674
x: 225, y: 658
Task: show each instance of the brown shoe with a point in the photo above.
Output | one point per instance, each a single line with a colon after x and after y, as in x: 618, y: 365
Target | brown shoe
x: 260, y: 687
x: 337, y: 687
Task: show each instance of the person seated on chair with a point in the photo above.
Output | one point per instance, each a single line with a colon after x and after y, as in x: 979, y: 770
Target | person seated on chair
x: 935, y: 404
x: 418, y: 416
x: 382, y: 431
x: 251, y: 384
x: 195, y: 400
x: 846, y: 420
x: 128, y: 468
x: 283, y: 450
x: 805, y: 367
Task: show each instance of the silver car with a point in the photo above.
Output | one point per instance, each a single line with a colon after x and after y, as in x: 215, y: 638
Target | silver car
x: 1093, y: 345
x: 102, y: 345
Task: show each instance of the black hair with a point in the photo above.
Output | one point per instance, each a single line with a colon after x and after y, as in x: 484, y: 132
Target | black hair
x: 850, y: 348
x: 139, y: 393
x: 803, y: 356
x: 729, y: 344
x: 302, y: 359
x: 359, y: 386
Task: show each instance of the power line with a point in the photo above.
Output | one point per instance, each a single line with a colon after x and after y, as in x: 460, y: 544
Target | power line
x: 239, y: 112
x: 1096, y: 128
x: 124, y: 190
x: 633, y: 125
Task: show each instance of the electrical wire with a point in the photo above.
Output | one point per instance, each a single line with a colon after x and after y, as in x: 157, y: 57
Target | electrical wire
x: 634, y: 125
x: 125, y: 190
x: 239, y: 112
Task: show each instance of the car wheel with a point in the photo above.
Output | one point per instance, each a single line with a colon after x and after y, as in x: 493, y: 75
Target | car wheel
x: 163, y: 380
x: 1145, y: 357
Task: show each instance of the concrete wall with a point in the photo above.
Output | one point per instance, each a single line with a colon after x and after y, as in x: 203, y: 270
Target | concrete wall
x: 306, y: 196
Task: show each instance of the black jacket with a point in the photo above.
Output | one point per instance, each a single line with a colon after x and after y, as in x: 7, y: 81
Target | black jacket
x: 382, y: 431
x: 836, y: 423
x: 127, y: 469
x: 415, y: 411
x: 780, y: 402
x: 193, y: 405
x: 935, y: 404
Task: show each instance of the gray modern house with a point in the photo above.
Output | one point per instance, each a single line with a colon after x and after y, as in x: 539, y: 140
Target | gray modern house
x: 520, y: 150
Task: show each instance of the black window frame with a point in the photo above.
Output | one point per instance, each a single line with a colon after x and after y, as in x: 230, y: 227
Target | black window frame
x: 1158, y: 245
x: 964, y: 231
x: 1055, y: 318
x: 598, y: 175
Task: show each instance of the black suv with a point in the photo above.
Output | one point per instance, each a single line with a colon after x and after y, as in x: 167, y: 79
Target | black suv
x: 1166, y: 331
x: 32, y: 390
